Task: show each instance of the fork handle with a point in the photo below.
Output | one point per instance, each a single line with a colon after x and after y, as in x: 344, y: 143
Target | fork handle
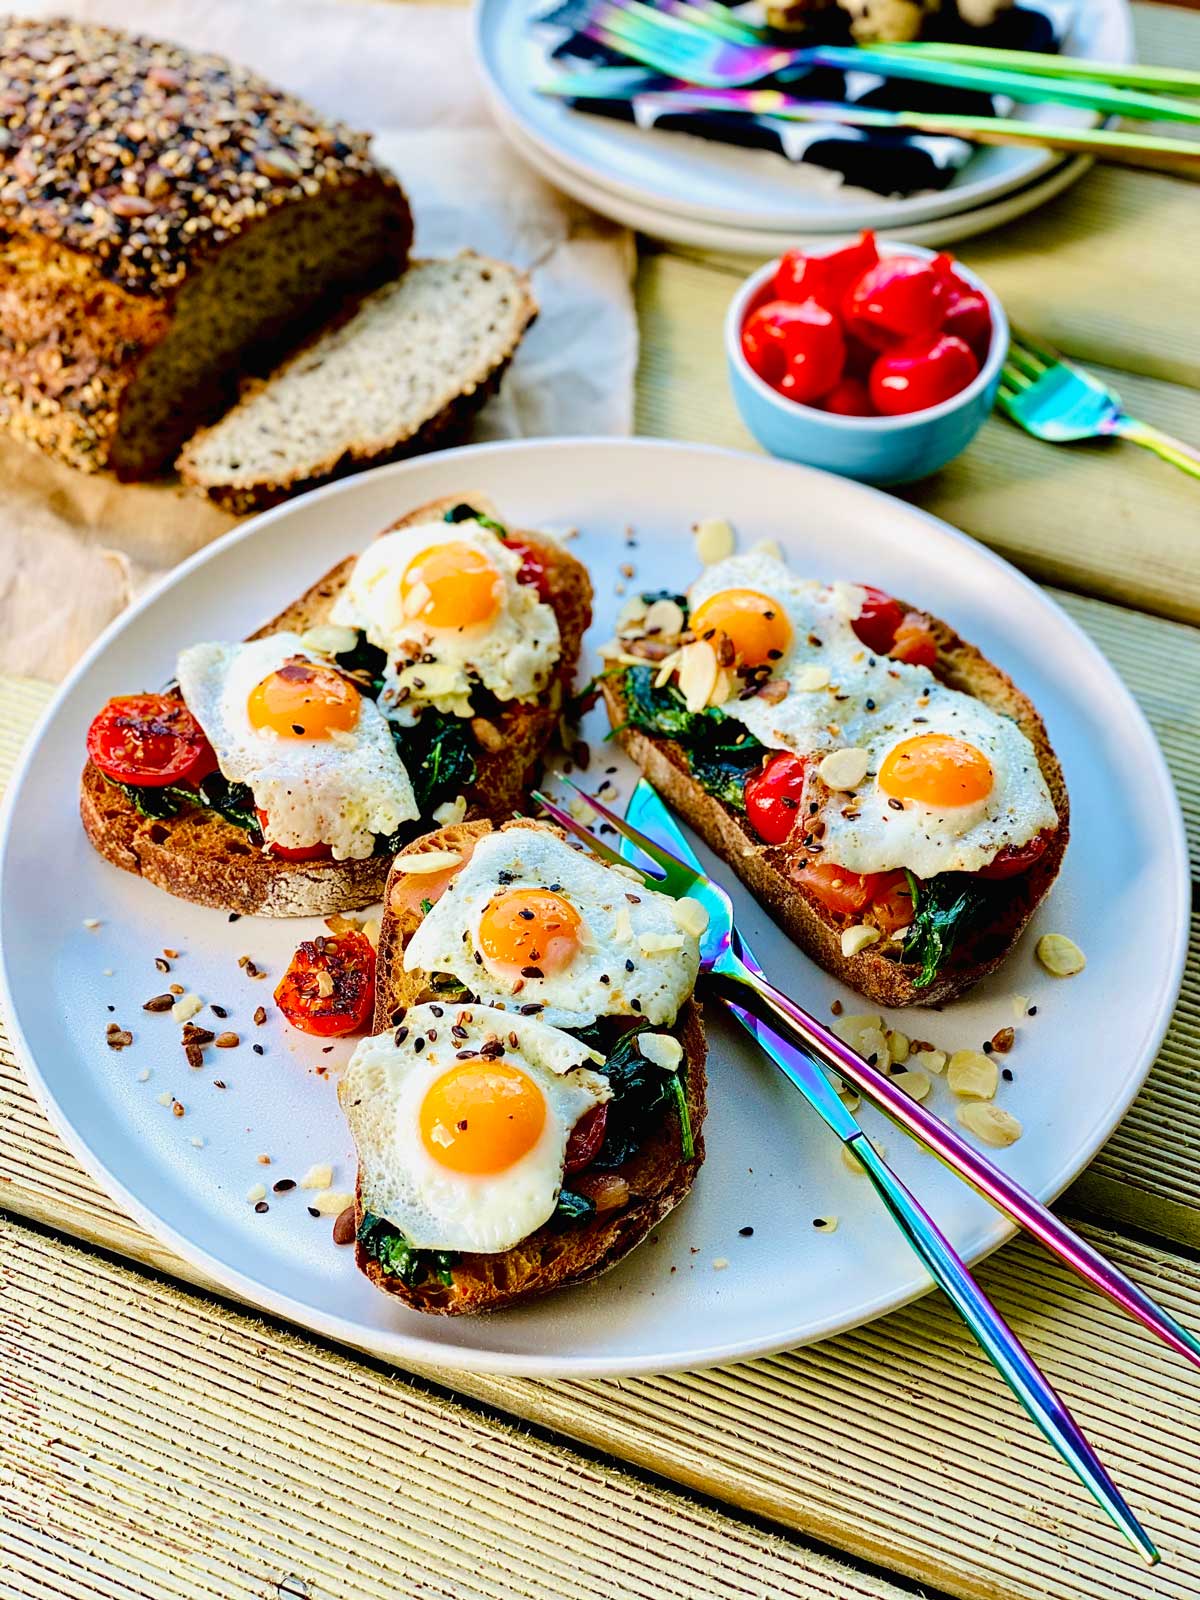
x: 991, y: 1181
x: 1001, y: 1345
x: 1184, y: 456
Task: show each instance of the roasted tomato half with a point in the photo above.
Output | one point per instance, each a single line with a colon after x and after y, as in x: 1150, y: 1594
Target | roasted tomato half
x: 840, y: 891
x: 774, y: 796
x: 149, y: 739
x: 305, y: 852
x: 586, y: 1138
x: 1017, y: 858
x: 877, y: 622
x: 329, y: 988
x: 532, y: 569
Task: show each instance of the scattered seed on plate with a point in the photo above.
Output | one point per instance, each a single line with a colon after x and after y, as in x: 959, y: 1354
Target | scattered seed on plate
x: 219, y: 1011
x: 162, y: 964
x: 144, y: 1075
x: 158, y: 1002
x: 92, y: 923
x: 226, y: 1041
x: 284, y: 1185
x: 177, y: 1110
x: 263, y: 1160
x: 745, y: 1233
x: 825, y: 1224
x: 117, y: 1038
x: 260, y: 1016
x: 262, y: 1207
x: 343, y: 1226
x: 197, y: 1141
x: 720, y: 1263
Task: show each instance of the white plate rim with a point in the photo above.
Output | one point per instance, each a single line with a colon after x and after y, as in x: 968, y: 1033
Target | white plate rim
x: 689, y: 233
x: 412, y: 1349
x: 879, y: 213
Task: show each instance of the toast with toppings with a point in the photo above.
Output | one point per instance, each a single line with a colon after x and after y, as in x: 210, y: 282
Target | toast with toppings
x: 622, y: 1202
x: 199, y: 854
x: 895, y: 949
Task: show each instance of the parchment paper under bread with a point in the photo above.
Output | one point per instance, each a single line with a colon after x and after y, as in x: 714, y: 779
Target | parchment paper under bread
x: 74, y: 548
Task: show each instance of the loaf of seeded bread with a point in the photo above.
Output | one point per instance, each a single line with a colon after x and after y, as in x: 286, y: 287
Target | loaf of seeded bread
x: 167, y: 219
x: 404, y: 371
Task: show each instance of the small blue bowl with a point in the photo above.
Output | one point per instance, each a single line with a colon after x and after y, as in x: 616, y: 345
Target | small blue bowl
x: 880, y: 450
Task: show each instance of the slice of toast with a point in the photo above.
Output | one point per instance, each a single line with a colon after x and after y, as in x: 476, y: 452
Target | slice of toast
x: 199, y: 856
x: 658, y: 1174
x: 881, y: 977
x: 403, y: 372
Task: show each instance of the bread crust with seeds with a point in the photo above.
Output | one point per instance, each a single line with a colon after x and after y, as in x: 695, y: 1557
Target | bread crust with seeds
x: 198, y: 855
x: 764, y: 868
x: 167, y: 218
x: 658, y: 1175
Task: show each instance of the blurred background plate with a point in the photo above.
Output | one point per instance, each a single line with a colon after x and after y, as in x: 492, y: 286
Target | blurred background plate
x: 766, y: 242
x: 676, y: 177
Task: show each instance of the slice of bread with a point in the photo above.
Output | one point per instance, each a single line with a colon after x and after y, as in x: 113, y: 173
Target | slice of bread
x: 199, y: 856
x: 404, y: 371
x: 658, y: 1174
x: 765, y: 869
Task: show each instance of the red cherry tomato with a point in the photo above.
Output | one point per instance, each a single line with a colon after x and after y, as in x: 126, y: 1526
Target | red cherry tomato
x: 844, y: 893
x: 586, y: 1138
x: 816, y: 352
x: 891, y: 904
x: 798, y: 349
x: 1017, y: 858
x: 149, y: 739
x: 877, y: 622
x: 921, y: 374
x: 828, y: 278
x: 860, y: 357
x: 532, y: 569
x: 303, y: 852
x: 915, y: 641
x: 899, y: 298
x: 849, y: 398
x: 969, y: 318
x: 346, y: 961
x: 775, y: 796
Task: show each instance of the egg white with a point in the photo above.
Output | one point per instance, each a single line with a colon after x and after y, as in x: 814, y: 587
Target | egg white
x: 340, y: 791
x: 873, y: 703
x: 637, y: 959
x: 382, y: 1091
x: 513, y: 655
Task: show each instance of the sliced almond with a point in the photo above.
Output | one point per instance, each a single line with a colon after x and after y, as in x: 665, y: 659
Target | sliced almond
x: 714, y: 540
x: 1060, y: 956
x: 873, y: 1047
x: 914, y: 1083
x: 186, y: 1007
x: 690, y: 915
x: 664, y: 617
x: 927, y: 1060
x: 992, y: 1124
x: 899, y: 1045
x: 844, y: 769
x: 331, y: 1201
x: 423, y: 863
x: 329, y: 639
x: 972, y: 1075
x: 450, y: 812
x: 663, y: 1049
x: 623, y: 926
x: 632, y: 614
x: 848, y: 1029
x: 697, y: 673
x: 668, y: 669
x: 324, y: 980
x: 807, y: 679
x: 1020, y: 1006
x: 657, y: 944
x: 856, y: 939
x: 318, y: 1177
x: 769, y: 548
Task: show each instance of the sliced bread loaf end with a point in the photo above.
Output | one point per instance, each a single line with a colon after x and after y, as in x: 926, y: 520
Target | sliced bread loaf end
x: 407, y: 369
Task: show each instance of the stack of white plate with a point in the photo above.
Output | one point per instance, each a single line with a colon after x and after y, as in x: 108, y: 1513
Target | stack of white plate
x: 712, y: 196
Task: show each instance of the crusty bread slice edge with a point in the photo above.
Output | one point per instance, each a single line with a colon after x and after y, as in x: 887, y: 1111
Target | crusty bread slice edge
x: 447, y: 427
x: 198, y: 856
x: 658, y: 1175
x: 884, y: 981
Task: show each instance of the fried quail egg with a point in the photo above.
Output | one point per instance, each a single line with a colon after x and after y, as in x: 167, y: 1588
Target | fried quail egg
x: 317, y: 755
x: 529, y: 921
x: 444, y: 601
x: 462, y: 1135
x: 904, y: 772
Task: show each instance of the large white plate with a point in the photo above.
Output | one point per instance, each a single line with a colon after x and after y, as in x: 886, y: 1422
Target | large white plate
x: 1077, y: 1064
x: 682, y: 177
x: 689, y: 231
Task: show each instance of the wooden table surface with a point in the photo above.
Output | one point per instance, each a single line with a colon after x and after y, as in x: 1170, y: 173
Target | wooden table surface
x: 158, y: 1441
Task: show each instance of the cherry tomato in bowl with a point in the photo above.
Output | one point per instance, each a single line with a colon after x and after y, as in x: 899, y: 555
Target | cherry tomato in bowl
x: 931, y: 409
x: 329, y: 986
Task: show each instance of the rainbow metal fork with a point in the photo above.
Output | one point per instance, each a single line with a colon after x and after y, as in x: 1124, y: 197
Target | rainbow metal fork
x: 1053, y: 399
x: 722, y: 960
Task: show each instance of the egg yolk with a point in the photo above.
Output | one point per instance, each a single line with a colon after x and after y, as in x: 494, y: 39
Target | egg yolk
x: 755, y: 625
x: 482, y: 1117
x: 530, y: 928
x: 451, y: 586
x: 304, y: 701
x: 935, y: 769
